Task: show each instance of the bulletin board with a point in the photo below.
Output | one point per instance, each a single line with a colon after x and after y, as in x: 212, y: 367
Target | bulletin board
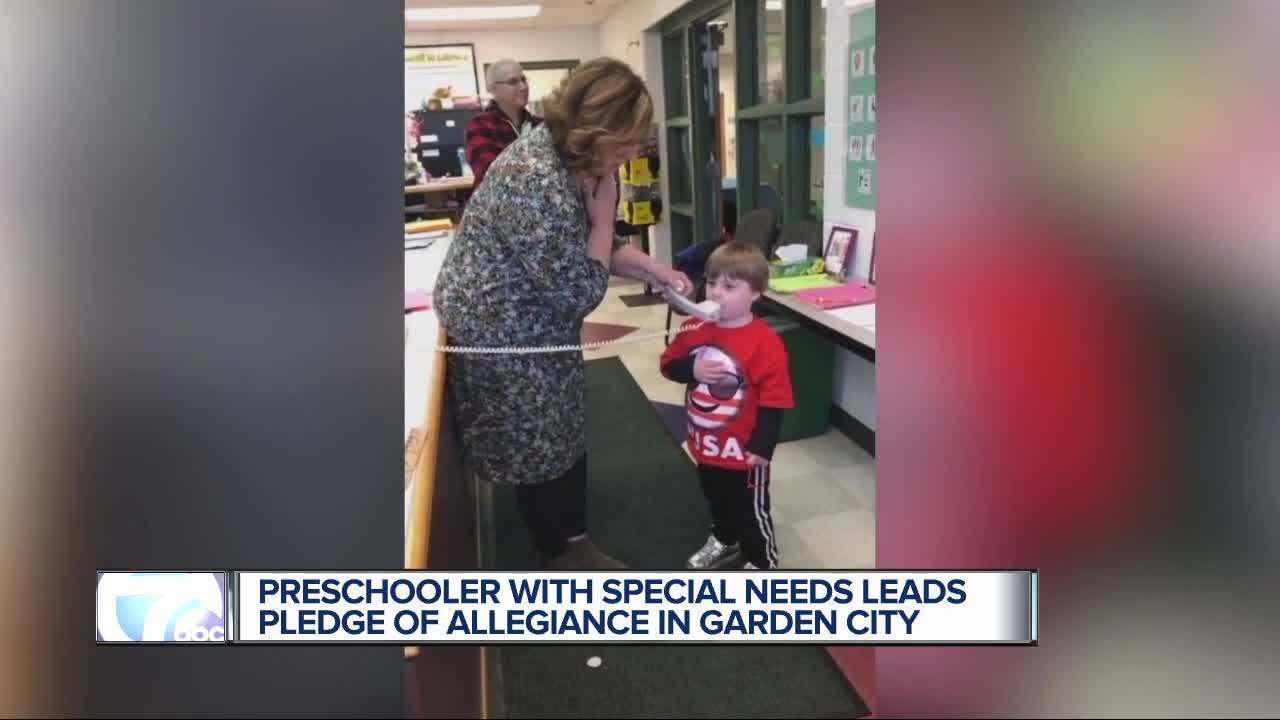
x: 861, y: 176
x: 440, y: 77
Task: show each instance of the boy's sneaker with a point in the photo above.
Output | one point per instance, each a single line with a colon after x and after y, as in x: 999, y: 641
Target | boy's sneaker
x: 713, y: 554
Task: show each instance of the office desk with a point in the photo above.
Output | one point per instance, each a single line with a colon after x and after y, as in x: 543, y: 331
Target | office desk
x: 446, y: 196
x: 442, y: 185
x: 852, y: 328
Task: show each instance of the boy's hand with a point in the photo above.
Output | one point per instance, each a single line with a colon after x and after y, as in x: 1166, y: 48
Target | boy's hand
x: 711, y: 372
x: 754, y: 460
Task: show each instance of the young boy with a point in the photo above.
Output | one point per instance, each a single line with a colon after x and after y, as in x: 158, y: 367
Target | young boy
x: 738, y: 387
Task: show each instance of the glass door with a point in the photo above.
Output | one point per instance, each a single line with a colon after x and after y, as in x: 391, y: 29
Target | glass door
x: 698, y: 72
x: 709, y: 112
x: 715, y: 37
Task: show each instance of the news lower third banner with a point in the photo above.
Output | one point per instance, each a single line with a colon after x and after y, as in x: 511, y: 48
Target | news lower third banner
x: 425, y: 608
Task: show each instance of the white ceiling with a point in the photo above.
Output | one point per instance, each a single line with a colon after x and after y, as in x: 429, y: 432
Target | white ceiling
x: 555, y: 13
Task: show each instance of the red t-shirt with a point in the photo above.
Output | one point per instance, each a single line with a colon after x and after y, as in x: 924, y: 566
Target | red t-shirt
x: 722, y: 418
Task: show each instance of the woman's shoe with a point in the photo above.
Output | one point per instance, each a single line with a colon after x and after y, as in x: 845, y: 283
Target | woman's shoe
x: 584, y: 555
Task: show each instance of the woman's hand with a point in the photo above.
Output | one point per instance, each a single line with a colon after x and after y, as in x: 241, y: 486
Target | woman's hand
x: 672, y: 278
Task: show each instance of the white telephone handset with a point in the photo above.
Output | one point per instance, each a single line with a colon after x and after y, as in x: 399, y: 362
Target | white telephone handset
x: 707, y: 310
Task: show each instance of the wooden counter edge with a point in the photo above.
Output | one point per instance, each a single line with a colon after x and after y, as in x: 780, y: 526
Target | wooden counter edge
x: 418, y: 540
x: 440, y: 186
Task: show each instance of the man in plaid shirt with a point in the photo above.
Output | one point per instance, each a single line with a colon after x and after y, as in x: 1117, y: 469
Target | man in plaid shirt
x: 503, y: 120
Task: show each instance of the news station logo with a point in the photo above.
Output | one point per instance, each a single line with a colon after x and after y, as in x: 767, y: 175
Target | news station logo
x: 161, y: 607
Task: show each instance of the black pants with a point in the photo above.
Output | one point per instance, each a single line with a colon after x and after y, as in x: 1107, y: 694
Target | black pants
x: 556, y: 510
x: 740, y: 511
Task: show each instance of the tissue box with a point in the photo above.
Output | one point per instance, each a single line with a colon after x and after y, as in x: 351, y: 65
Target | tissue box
x: 796, y: 268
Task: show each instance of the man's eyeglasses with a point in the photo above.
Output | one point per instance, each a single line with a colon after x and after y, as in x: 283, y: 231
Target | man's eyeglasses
x: 518, y: 80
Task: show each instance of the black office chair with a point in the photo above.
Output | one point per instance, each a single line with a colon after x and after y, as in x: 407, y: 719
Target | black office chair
x: 758, y: 227
x: 804, y: 232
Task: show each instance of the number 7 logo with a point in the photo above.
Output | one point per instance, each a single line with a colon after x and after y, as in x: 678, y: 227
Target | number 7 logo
x: 153, y: 600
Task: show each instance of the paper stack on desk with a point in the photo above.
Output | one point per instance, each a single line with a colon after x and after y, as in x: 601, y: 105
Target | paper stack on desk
x: 418, y: 241
x: 856, y: 292
x: 417, y: 300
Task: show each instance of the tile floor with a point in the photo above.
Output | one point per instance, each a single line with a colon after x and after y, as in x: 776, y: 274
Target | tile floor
x: 824, y: 488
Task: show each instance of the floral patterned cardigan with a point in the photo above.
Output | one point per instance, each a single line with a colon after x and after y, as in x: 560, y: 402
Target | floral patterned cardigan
x: 517, y: 274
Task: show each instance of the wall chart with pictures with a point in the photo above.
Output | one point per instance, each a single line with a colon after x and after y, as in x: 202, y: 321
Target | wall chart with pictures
x: 440, y: 77
x: 860, y: 142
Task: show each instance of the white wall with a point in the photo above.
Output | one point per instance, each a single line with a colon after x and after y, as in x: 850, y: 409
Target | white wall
x: 622, y: 34
x: 568, y: 43
x: 855, y: 378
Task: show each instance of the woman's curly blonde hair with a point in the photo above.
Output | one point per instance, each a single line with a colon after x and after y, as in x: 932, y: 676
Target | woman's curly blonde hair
x: 602, y: 104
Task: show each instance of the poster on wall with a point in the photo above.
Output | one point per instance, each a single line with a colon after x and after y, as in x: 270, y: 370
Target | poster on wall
x: 440, y: 77
x: 861, y: 176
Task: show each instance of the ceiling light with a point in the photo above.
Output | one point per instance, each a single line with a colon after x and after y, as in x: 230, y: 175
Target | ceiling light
x: 492, y: 12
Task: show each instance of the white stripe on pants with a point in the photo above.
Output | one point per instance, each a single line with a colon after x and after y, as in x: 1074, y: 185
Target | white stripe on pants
x: 759, y: 481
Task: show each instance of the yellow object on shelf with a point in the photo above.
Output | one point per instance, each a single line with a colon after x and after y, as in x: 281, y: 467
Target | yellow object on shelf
x: 638, y: 213
x: 637, y: 172
x: 428, y: 225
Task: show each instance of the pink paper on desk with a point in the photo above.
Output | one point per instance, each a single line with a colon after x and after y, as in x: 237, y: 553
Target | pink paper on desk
x: 827, y: 298
x: 417, y: 300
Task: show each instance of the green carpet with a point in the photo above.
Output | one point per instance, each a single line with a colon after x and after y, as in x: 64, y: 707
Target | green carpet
x: 644, y: 507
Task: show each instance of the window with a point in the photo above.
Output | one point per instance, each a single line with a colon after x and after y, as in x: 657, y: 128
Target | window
x: 817, y: 48
x: 727, y: 104
x: 681, y: 154
x: 817, y: 143
x: 771, y: 45
x: 765, y: 127
x: 675, y: 63
x: 784, y: 130
x: 770, y: 167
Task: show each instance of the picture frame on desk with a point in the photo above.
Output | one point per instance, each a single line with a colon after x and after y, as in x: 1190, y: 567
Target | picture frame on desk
x: 871, y: 273
x: 839, y: 249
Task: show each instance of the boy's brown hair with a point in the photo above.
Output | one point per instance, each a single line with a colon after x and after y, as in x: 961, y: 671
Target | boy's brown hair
x: 740, y: 261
